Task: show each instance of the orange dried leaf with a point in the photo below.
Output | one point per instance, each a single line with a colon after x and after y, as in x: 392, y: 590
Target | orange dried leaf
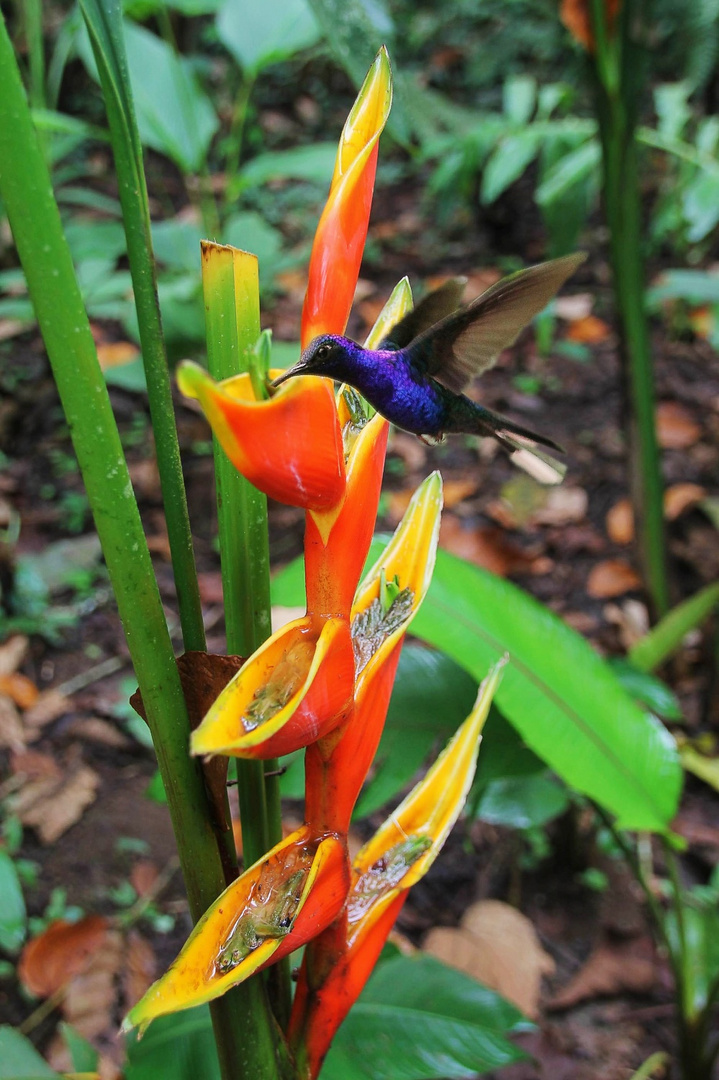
x: 681, y: 497
x: 620, y: 522
x: 12, y: 653
x: 22, y: 690
x: 116, y: 353
x: 613, y: 968
x: 676, y: 427
x: 589, y: 330
x: 50, y: 960
x: 612, y: 577
x: 12, y: 732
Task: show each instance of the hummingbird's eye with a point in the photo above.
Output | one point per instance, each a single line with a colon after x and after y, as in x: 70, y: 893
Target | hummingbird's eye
x: 324, y: 351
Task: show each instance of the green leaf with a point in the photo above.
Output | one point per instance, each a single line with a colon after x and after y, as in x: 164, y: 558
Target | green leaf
x: 646, y: 689
x: 92, y: 239
x: 431, y: 697
x: 706, y: 768
x: 694, y: 286
x: 522, y: 802
x: 569, y: 171
x: 507, y: 163
x: 564, y: 700
x: 83, y: 1054
x: 174, y: 115
x: 420, y: 1020
x: 697, y: 949
x: 250, y: 232
x: 262, y: 34
x: 312, y: 163
x: 19, y: 1060
x: 666, y: 637
x: 700, y: 203
x: 13, y: 919
x: 180, y: 1046
x: 672, y: 108
x: 177, y: 244
x: 519, y: 96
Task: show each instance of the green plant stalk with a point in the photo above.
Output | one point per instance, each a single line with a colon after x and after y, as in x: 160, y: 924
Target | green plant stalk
x: 32, y: 22
x: 104, y: 22
x: 623, y: 210
x: 26, y: 190
x: 235, y: 140
x: 232, y: 310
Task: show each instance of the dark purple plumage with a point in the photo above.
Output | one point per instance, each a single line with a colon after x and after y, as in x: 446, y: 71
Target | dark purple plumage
x: 416, y: 377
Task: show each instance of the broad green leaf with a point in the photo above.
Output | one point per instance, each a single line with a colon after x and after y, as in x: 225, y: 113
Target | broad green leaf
x: 92, y: 239
x: 698, y: 955
x: 672, y: 108
x: 647, y: 689
x: 564, y: 700
x: 700, y: 203
x: 507, y: 163
x: 177, y: 244
x: 569, y: 171
x: 519, y: 96
x: 522, y: 802
x: 313, y: 163
x: 174, y: 115
x: 694, y: 286
x: 431, y: 697
x: 260, y: 34
x: 19, y: 1060
x: 13, y: 919
x: 419, y: 1020
x: 180, y: 1046
x: 83, y: 1054
x: 666, y: 637
x: 250, y: 232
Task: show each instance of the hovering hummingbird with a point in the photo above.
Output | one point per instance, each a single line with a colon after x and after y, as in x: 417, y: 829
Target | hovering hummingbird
x: 416, y: 377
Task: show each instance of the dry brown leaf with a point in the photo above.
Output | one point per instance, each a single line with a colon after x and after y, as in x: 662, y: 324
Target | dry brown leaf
x: 116, y: 353
x: 676, y: 427
x: 52, y: 805
x: 612, y: 577
x: 89, y: 1001
x: 139, y: 970
x: 99, y: 731
x: 31, y: 763
x: 589, y: 330
x: 412, y: 451
x: 498, y: 945
x: 210, y: 583
x: 62, y: 950
x: 681, y: 497
x: 620, y: 522
x: 490, y: 548
x: 22, y: 690
x: 12, y: 653
x: 563, y: 506
x: 574, y: 307
x: 614, y: 967
x: 50, y: 705
x: 143, y: 876
x: 632, y: 619
x: 12, y: 732
x: 456, y: 491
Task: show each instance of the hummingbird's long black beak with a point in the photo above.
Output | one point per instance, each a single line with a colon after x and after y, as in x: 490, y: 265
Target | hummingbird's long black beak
x: 296, y: 369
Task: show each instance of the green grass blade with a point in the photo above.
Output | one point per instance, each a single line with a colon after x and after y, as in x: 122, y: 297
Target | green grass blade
x: 666, y: 637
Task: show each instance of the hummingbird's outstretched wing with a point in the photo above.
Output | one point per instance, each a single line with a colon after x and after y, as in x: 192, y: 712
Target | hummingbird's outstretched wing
x: 467, y: 342
x: 431, y: 309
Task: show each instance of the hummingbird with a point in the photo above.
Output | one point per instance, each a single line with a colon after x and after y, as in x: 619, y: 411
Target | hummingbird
x: 417, y: 375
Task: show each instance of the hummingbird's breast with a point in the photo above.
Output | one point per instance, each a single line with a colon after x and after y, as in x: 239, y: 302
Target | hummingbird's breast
x: 409, y: 401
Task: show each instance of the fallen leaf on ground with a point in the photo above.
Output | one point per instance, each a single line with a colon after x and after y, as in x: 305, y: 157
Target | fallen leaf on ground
x: 521, y: 498
x: 139, y: 970
x: 614, y: 967
x: 632, y: 619
x: 456, y: 491
x: 12, y: 653
x: 49, y: 706
x: 412, y: 451
x: 612, y: 577
x: 498, y: 945
x: 564, y: 505
x: 490, y: 548
x: 681, y: 497
x: 99, y: 731
x: 589, y: 330
x: 90, y: 996
x: 51, y: 959
x: 116, y: 353
x: 51, y: 805
x: 676, y: 427
x: 31, y: 763
x: 12, y: 732
x: 620, y: 522
x: 143, y: 876
x: 21, y: 689
x: 574, y: 307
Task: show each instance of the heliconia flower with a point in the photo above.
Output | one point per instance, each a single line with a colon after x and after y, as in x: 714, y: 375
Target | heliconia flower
x: 278, y: 904
x: 397, y: 856
x: 340, y: 237
x: 577, y: 17
x: 294, y: 689
x: 384, y: 606
x: 290, y: 447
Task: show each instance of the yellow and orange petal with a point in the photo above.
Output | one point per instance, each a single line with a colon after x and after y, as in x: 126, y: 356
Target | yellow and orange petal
x: 303, y: 880
x: 340, y: 237
x: 290, y: 447
x: 293, y: 690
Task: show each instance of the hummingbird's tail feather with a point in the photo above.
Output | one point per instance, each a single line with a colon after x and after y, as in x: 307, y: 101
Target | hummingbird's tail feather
x: 525, y: 447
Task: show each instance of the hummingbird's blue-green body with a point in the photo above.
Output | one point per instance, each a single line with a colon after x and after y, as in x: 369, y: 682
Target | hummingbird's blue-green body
x: 415, y: 379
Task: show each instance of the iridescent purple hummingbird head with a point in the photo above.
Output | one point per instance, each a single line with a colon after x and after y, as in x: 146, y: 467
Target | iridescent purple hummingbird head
x: 325, y: 355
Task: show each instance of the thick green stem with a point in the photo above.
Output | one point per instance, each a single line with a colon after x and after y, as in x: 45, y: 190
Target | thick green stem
x: 245, y: 1035
x: 623, y: 209
x: 231, y: 288
x: 105, y: 28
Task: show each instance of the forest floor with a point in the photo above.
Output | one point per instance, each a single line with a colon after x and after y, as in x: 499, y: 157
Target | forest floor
x: 603, y: 993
